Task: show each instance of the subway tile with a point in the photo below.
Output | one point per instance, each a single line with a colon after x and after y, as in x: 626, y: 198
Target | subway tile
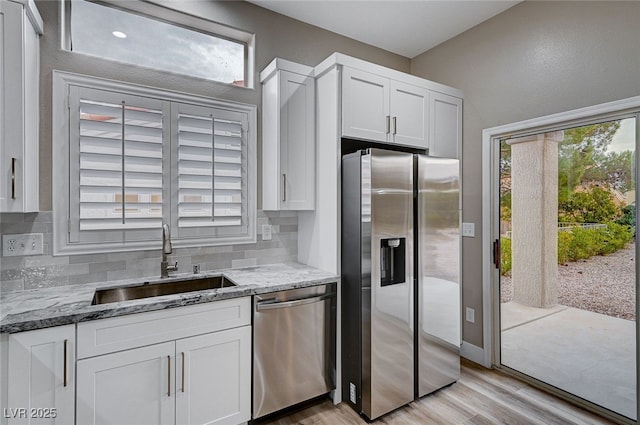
x: 12, y: 262
x: 218, y: 249
x: 12, y: 274
x: 12, y: 285
x: 124, y: 274
x: 88, y: 258
x: 45, y: 260
x: 106, y: 267
x: 11, y: 218
x: 74, y: 269
x: 44, y: 277
x: 262, y: 245
x: 288, y: 228
x: 133, y: 255
x: 12, y: 228
x: 245, y: 262
x: 88, y: 278
x: 244, y: 247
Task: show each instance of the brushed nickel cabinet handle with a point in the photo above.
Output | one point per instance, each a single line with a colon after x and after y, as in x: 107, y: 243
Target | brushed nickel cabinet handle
x: 13, y: 178
x: 64, y: 368
x: 395, y: 125
x: 388, y: 124
x: 168, y: 376
x: 183, y: 371
x: 284, y: 187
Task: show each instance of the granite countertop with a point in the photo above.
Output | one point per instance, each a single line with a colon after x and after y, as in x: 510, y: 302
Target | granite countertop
x: 41, y: 308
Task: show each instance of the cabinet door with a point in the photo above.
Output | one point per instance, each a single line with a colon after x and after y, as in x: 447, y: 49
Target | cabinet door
x: 297, y: 147
x: 445, y: 125
x: 41, y: 376
x: 19, y: 103
x: 365, y: 105
x: 409, y: 114
x: 132, y: 387
x: 11, y: 98
x: 214, y: 378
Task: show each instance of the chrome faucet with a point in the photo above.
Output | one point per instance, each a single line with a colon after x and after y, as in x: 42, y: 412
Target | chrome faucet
x: 165, y: 268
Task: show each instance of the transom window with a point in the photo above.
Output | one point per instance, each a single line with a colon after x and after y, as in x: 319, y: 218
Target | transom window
x: 131, y: 158
x: 169, y: 42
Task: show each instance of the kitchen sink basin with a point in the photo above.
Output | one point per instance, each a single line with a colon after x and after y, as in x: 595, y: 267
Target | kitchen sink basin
x: 147, y: 290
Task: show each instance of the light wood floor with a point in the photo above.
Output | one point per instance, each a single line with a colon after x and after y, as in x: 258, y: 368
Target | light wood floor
x: 481, y: 396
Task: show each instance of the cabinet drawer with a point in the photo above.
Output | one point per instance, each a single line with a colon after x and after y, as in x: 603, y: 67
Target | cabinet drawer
x: 122, y: 333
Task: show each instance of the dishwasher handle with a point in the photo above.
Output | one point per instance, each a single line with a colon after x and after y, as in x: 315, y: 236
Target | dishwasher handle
x: 271, y: 305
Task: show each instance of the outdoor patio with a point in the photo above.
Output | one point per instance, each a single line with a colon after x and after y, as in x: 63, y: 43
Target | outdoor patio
x: 588, y: 354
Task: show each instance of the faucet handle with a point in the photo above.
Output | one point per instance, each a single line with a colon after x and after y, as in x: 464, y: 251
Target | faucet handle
x: 173, y: 268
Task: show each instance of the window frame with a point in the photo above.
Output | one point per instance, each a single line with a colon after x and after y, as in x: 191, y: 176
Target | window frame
x: 172, y: 15
x: 62, y: 84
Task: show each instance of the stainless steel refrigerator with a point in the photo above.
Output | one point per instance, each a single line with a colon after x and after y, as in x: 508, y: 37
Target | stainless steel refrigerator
x: 400, y: 278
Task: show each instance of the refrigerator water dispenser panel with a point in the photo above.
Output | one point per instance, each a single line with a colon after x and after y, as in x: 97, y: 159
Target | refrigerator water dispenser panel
x: 392, y: 261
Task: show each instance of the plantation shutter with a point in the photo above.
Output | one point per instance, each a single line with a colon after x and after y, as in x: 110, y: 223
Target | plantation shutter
x: 211, y: 172
x: 116, y: 166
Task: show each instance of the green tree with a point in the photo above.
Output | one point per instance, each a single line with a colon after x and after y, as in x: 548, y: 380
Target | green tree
x: 578, y: 151
x: 613, y: 168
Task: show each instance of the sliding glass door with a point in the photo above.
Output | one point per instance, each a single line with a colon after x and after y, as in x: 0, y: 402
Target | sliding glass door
x: 567, y: 287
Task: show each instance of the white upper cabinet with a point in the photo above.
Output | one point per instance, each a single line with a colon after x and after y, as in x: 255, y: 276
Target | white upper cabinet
x: 21, y: 27
x: 386, y: 106
x: 365, y: 106
x: 409, y: 114
x: 288, y: 137
x: 383, y: 110
x: 445, y: 125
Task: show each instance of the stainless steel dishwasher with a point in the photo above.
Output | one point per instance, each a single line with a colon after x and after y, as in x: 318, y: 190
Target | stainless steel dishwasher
x: 294, y: 347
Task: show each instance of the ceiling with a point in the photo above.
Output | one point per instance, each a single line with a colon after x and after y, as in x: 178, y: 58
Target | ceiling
x: 405, y: 27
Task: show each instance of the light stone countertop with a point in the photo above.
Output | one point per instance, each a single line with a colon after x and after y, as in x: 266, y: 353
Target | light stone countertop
x: 41, y: 308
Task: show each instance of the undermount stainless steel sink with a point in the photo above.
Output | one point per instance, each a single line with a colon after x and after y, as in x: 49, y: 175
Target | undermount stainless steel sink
x: 147, y: 290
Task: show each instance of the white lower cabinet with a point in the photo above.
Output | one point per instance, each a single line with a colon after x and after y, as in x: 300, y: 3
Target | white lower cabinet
x: 196, y: 380
x: 130, y: 387
x: 213, y: 378
x: 40, y: 377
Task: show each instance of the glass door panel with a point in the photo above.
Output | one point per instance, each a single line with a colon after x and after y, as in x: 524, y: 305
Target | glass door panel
x: 568, y: 261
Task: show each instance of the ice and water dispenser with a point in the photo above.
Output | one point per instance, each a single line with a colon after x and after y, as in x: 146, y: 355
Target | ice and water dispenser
x: 392, y: 261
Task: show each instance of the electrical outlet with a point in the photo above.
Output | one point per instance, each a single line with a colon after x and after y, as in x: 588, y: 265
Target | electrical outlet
x: 469, y: 230
x: 266, y: 232
x: 24, y: 244
x: 470, y: 315
x: 352, y: 392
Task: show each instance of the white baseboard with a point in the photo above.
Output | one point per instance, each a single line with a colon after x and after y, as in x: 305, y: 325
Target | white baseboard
x: 474, y: 353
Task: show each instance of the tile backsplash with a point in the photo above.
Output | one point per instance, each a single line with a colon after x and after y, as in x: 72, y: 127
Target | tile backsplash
x: 42, y: 271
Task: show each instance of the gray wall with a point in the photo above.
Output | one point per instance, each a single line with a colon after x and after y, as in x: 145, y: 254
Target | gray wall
x: 534, y: 59
x: 276, y: 36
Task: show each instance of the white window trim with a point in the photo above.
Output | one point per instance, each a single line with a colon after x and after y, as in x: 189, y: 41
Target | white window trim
x: 487, y: 354
x: 168, y: 11
x: 60, y: 156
